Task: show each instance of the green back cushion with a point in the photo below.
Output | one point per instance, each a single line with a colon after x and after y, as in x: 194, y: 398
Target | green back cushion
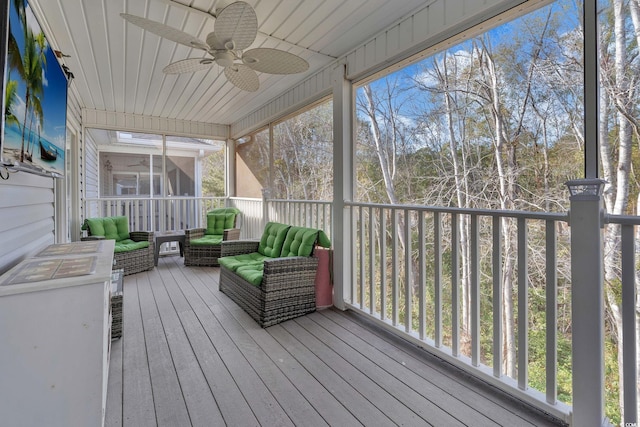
x: 218, y: 222
x: 113, y: 227
x: 225, y: 210
x: 273, y: 239
x: 299, y: 242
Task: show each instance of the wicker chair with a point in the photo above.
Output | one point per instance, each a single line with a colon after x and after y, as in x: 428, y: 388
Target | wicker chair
x: 286, y: 286
x: 134, y: 250
x: 202, y: 245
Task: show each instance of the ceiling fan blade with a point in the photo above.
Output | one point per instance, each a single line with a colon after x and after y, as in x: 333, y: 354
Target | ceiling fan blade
x: 243, y: 77
x: 238, y: 23
x: 274, y: 61
x: 188, y: 65
x: 165, y: 31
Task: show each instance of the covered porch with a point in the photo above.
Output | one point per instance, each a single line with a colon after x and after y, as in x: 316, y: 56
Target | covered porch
x: 418, y: 331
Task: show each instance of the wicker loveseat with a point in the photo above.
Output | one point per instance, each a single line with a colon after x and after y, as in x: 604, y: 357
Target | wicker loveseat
x: 133, y: 250
x: 202, y: 245
x: 273, y: 279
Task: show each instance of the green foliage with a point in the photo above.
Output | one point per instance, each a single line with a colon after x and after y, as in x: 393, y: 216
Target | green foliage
x: 213, y: 175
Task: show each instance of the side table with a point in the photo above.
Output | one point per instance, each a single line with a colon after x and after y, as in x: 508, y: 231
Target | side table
x: 167, y: 236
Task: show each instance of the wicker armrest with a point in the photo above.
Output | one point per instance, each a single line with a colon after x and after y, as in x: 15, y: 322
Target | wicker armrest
x: 141, y: 236
x: 88, y: 238
x: 231, y: 234
x: 291, y: 264
x: 193, y: 233
x: 289, y: 274
x: 238, y: 247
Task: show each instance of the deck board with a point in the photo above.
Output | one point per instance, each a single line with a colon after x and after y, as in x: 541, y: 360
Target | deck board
x: 190, y: 356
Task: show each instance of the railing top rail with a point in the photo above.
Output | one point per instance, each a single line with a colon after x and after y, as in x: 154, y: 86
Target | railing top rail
x: 116, y: 198
x: 623, y: 219
x: 247, y: 199
x: 319, y: 202
x: 555, y: 216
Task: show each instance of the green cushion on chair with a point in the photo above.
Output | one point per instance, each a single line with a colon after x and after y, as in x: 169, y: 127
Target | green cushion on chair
x: 207, y: 240
x: 234, y: 262
x: 113, y: 228
x: 299, y: 242
x: 128, y: 245
x: 218, y: 222
x: 252, y: 273
x: 272, y: 239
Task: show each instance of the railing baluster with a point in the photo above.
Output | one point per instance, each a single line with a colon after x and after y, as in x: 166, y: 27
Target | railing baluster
x: 353, y: 255
x: 455, y: 283
x: 437, y: 278
x: 422, y: 271
x: 497, y: 296
x: 362, y: 258
x: 372, y: 262
x: 551, y: 312
x: 383, y: 264
x: 475, y: 291
x: 394, y: 268
x: 408, y: 285
x: 629, y: 356
x: 523, y: 306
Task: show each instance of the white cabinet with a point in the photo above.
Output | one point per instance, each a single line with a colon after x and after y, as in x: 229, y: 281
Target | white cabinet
x: 55, y: 337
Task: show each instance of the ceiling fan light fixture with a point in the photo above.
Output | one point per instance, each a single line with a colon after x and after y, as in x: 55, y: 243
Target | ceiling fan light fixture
x: 224, y: 59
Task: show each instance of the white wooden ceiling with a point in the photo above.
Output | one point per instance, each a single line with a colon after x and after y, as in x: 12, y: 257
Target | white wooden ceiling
x: 118, y: 66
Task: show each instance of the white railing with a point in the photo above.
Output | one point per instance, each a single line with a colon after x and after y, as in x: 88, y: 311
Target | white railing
x: 629, y: 248
x: 155, y: 214
x: 252, y: 218
x: 427, y: 248
x: 302, y: 213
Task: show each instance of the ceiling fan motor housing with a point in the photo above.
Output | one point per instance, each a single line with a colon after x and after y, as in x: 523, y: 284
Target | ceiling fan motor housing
x: 224, y: 58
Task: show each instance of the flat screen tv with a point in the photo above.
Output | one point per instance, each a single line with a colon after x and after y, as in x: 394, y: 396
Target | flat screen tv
x: 34, y: 99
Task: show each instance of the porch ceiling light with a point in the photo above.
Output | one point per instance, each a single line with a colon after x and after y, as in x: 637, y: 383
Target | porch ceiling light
x: 586, y: 187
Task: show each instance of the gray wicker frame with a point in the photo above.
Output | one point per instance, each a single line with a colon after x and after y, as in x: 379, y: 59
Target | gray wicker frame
x: 204, y: 255
x: 287, y: 289
x: 133, y: 261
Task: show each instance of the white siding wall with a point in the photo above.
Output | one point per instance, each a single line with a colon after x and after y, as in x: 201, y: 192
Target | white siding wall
x: 438, y: 21
x: 27, y: 216
x: 90, y: 171
x: 27, y: 210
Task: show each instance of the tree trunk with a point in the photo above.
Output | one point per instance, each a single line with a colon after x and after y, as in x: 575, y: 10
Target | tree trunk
x: 619, y: 95
x: 505, y: 168
x: 387, y: 161
x: 461, y: 191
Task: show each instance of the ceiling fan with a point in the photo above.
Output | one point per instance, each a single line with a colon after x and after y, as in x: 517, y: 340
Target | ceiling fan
x: 234, y: 31
x: 144, y: 162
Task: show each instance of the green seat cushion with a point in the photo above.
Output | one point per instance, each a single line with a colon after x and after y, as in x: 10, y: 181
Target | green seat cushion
x: 207, y: 240
x: 218, y: 222
x: 299, y: 242
x: 113, y: 227
x: 252, y: 273
x: 272, y: 239
x: 234, y: 262
x: 128, y: 245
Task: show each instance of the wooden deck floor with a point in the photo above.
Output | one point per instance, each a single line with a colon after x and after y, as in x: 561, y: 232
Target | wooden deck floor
x: 190, y: 356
